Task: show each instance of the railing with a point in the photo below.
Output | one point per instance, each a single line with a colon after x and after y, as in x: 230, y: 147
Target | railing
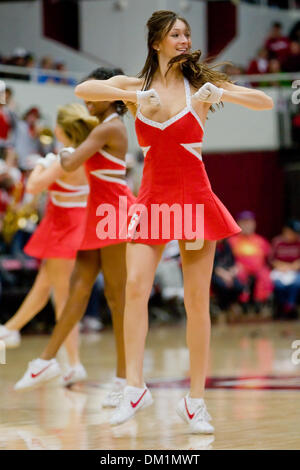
x: 267, y: 77
x: 287, y: 4
x: 282, y: 4
x: 33, y: 75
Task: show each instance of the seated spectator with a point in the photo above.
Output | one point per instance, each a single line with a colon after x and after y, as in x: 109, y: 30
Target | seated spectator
x: 260, y: 63
x: 292, y: 62
x: 275, y: 67
x: 46, y: 64
x: 285, y: 258
x: 18, y: 59
x: 276, y: 44
x: 225, y: 283
x: 234, y: 70
x: 251, y: 252
x: 60, y: 66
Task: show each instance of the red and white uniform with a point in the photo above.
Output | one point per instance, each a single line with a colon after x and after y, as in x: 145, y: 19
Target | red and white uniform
x: 174, y: 174
x: 108, y: 202
x: 60, y: 233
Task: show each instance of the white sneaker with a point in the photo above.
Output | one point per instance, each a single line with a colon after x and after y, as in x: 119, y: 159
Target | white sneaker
x: 133, y: 400
x: 194, y: 412
x: 74, y: 374
x: 114, y: 396
x: 11, y: 338
x: 39, y: 372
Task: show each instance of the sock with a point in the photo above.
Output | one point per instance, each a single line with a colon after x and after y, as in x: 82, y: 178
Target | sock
x: 137, y: 390
x: 120, y: 380
x: 195, y: 401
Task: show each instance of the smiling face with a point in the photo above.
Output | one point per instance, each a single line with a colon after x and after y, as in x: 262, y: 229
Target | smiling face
x: 177, y: 41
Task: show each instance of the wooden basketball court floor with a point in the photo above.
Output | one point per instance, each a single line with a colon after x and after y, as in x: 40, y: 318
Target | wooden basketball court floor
x: 253, y: 394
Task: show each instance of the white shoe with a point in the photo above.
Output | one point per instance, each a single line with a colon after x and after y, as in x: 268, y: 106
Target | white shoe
x: 114, y: 396
x: 74, y: 374
x: 194, y: 412
x: 38, y: 372
x: 11, y: 338
x: 133, y: 400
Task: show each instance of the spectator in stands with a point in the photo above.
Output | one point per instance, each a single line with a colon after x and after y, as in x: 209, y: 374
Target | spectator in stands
x: 15, y: 205
x: 225, y: 283
x: 27, y: 137
x: 233, y: 70
x: 29, y: 60
x: 285, y: 258
x: 8, y: 123
x: 60, y: 66
x: 9, y: 101
x: 251, y: 252
x: 18, y: 57
x: 46, y: 64
x: 260, y: 63
x: 276, y: 44
x: 275, y: 67
x: 295, y: 32
x: 292, y: 62
x: 23, y: 58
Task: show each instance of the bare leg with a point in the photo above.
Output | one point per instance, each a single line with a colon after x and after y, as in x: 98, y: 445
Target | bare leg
x: 86, y: 269
x: 34, y: 302
x: 59, y: 272
x: 197, y: 269
x: 141, y: 262
x: 113, y: 260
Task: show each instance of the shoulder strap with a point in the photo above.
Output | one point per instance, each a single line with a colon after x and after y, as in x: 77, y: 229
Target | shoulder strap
x: 187, y: 92
x: 111, y: 116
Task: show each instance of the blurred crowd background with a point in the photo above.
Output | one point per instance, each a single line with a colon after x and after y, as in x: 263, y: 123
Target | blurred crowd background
x: 254, y: 278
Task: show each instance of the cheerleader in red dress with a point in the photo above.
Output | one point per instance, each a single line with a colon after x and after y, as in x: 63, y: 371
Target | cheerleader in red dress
x: 169, y: 124
x: 58, y: 236
x: 104, y: 240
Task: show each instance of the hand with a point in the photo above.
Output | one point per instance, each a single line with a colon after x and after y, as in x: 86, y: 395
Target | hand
x: 66, y: 149
x: 148, y: 97
x: 47, y: 160
x: 209, y: 93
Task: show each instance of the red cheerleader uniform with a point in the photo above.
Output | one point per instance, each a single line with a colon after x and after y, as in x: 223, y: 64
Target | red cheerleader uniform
x: 108, y: 202
x: 60, y: 233
x: 174, y: 178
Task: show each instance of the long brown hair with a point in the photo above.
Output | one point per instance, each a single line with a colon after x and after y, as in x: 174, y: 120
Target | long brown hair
x: 197, y: 73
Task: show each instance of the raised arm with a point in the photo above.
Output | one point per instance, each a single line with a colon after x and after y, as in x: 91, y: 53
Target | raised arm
x: 248, y: 97
x: 115, y: 88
